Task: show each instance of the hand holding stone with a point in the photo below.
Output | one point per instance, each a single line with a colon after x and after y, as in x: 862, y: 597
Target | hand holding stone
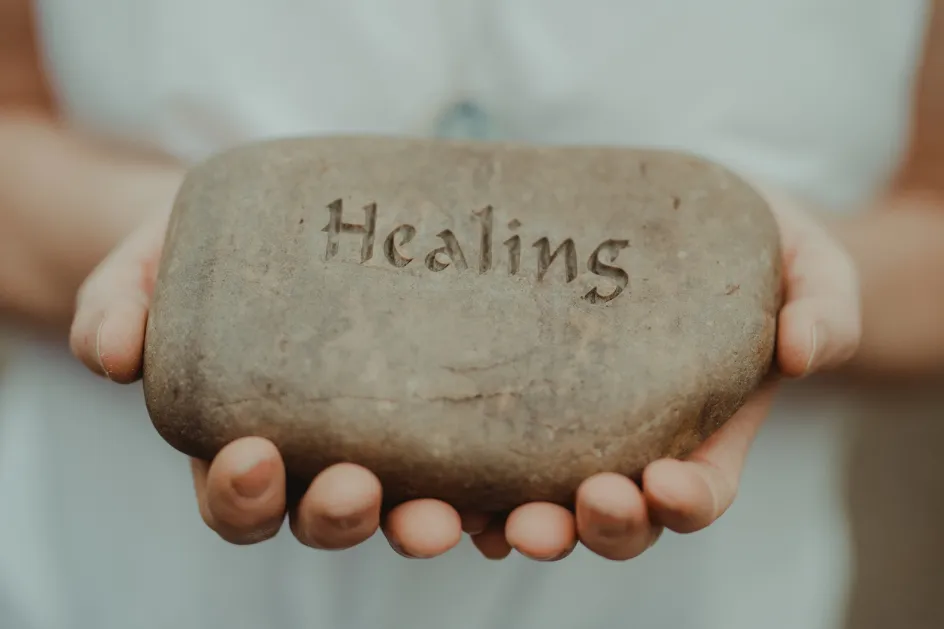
x: 652, y: 374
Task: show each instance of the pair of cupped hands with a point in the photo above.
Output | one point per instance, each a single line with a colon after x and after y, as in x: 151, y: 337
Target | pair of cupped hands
x: 243, y: 494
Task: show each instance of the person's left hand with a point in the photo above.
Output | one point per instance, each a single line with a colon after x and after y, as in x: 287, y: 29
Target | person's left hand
x: 818, y: 328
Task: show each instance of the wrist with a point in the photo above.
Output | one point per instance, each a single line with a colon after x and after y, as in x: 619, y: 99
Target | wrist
x: 900, y: 263
x: 66, y: 201
x: 137, y: 193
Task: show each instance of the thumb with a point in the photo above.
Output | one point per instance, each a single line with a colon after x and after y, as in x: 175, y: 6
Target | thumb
x: 689, y: 495
x: 107, y: 333
x: 820, y: 324
x: 816, y: 334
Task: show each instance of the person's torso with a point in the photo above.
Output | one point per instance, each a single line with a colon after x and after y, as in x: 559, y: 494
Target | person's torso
x: 813, y: 94
x: 100, y: 528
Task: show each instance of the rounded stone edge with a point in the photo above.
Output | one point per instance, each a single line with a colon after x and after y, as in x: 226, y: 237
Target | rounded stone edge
x: 171, y: 424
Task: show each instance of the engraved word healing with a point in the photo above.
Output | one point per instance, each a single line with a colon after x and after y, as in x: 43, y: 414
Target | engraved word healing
x: 451, y: 253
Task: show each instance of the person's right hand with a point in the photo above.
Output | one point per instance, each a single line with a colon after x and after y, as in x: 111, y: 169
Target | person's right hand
x: 242, y: 493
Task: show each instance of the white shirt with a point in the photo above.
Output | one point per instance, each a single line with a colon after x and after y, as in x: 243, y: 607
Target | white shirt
x: 98, y: 524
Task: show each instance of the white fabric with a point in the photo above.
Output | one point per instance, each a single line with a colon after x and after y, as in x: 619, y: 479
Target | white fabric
x: 98, y: 525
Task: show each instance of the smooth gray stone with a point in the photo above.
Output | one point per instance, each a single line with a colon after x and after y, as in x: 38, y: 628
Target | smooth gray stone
x: 482, y: 323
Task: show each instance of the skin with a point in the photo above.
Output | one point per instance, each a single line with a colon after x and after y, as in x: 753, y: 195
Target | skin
x: 863, y: 294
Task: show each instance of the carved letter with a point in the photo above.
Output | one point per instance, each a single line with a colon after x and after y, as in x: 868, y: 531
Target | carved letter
x: 514, y: 248
x: 335, y: 226
x: 393, y: 255
x: 451, y: 249
x: 546, y: 258
x: 617, y: 274
x: 485, y: 243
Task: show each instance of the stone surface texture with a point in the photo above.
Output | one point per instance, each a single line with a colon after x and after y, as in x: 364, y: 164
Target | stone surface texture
x: 631, y: 316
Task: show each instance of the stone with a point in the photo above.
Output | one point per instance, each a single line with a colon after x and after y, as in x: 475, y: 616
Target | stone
x: 487, y: 324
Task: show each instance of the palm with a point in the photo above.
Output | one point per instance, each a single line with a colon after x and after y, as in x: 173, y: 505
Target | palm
x: 242, y: 492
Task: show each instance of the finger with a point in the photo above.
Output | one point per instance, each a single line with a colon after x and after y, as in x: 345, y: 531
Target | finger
x: 819, y: 326
x: 199, y: 469
x: 475, y: 522
x: 242, y: 492
x: 491, y: 542
x: 107, y: 333
x: 340, y: 509
x: 542, y: 531
x: 687, y: 496
x: 421, y: 529
x: 612, y: 517
x: 816, y: 335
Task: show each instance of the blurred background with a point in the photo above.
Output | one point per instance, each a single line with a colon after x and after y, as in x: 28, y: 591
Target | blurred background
x: 894, y: 491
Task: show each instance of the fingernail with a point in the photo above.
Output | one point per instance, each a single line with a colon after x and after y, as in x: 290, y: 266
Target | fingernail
x: 256, y: 477
x: 98, y: 348
x: 818, y: 341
